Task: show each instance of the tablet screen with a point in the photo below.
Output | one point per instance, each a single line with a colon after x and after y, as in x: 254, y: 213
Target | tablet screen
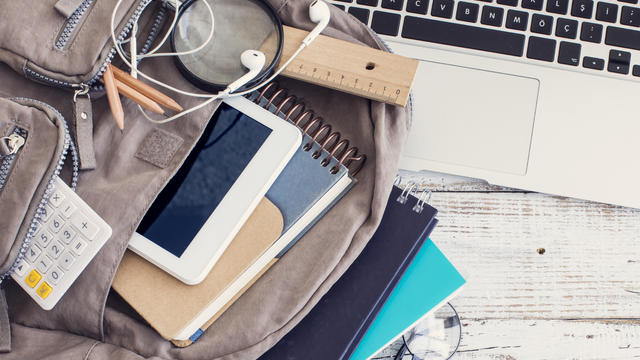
x: 227, y: 146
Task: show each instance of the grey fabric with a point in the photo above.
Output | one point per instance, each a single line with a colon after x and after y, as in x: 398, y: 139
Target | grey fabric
x: 159, y: 147
x: 89, y: 324
x: 67, y: 7
x: 5, y: 326
x: 83, y: 125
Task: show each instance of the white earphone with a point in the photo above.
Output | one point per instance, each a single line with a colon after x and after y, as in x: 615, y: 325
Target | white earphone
x: 253, y: 60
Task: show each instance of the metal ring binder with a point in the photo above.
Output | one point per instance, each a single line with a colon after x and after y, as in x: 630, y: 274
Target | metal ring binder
x: 289, y: 108
x: 425, y: 197
x: 412, y: 188
x: 408, y: 190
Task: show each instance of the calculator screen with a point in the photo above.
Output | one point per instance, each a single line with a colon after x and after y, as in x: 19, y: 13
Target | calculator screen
x: 182, y: 208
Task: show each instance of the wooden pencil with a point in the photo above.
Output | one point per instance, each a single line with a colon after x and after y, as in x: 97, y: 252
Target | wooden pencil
x: 114, y: 98
x: 138, y: 98
x: 145, y: 89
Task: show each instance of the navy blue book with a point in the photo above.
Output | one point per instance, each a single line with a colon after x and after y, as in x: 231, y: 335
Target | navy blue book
x: 334, y: 327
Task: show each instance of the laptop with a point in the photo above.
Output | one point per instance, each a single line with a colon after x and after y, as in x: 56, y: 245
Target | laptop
x: 541, y: 95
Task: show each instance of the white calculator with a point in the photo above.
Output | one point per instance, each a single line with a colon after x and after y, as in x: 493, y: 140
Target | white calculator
x: 69, y: 234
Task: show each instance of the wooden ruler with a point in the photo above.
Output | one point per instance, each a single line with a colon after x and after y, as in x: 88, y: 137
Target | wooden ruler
x: 351, y: 68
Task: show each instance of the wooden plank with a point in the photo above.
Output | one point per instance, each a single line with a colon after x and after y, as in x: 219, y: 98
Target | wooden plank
x: 544, y: 339
x: 351, y: 68
x: 435, y: 181
x: 588, y: 269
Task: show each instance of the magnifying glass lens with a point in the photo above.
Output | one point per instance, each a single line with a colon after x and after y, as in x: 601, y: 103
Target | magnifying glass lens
x: 238, y: 26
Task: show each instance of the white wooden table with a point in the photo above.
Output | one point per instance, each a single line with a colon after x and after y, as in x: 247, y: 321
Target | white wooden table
x: 548, y: 277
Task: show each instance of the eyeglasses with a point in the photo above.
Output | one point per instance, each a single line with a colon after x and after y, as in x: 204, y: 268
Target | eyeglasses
x: 437, y: 337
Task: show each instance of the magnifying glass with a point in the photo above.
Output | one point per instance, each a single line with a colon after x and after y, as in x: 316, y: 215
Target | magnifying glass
x: 238, y: 26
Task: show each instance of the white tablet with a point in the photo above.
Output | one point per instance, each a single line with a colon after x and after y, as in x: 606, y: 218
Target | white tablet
x: 195, y: 217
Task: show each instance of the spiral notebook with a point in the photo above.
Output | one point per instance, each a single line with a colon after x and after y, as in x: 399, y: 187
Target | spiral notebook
x: 316, y: 177
x: 334, y: 327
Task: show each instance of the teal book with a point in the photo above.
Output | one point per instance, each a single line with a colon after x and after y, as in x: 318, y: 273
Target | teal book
x: 428, y: 283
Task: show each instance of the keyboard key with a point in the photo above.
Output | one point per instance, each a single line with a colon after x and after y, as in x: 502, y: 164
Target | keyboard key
x: 67, y: 209
x: 44, y: 290
x: 392, y: 4
x: 541, y: 48
x: 367, y: 2
x: 618, y: 68
x: 418, y: 6
x: 78, y: 246
x: 32, y: 254
x: 22, y: 268
x: 623, y: 57
x: 33, y: 278
x: 56, y: 224
x: 607, y: 12
x: 569, y: 53
x: 67, y: 234
x: 567, y: 28
x: 508, y: 2
x: 55, y: 275
x: 532, y: 4
x: 44, y: 238
x: 492, y: 15
x: 341, y: 7
x: 541, y: 24
x: 55, y: 250
x: 360, y: 14
x: 636, y: 70
x: 465, y: 36
x: 467, y: 12
x: 593, y: 63
x: 385, y: 23
x: 582, y: 8
x: 630, y: 16
x: 517, y: 20
x: 442, y: 8
x: 591, y: 32
x: 56, y: 198
x: 43, y: 264
x: 86, y: 227
x: 558, y: 6
x: 45, y: 213
x: 629, y: 39
x: 66, y: 260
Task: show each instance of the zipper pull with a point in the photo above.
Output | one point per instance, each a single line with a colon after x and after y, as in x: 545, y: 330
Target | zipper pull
x: 11, y: 144
x: 83, y: 121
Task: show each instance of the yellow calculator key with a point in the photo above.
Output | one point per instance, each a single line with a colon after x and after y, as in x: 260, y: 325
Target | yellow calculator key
x: 33, y: 278
x: 44, y: 290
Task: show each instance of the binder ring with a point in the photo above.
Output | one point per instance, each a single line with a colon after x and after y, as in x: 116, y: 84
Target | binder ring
x: 334, y: 135
x: 284, y: 102
x: 275, y: 96
x: 344, y: 144
x: 409, y: 189
x: 310, y: 124
x: 362, y: 158
x: 315, y: 136
x: 302, y: 116
x: 424, y: 199
x: 264, y: 91
x: 293, y: 109
x: 343, y: 159
x: 398, y: 180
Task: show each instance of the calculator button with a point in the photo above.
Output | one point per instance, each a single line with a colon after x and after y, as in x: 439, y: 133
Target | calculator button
x: 55, y: 275
x: 55, y: 250
x: 43, y: 264
x: 67, y: 209
x: 44, y: 238
x: 56, y: 224
x: 22, y: 268
x: 67, y: 234
x: 32, y: 254
x: 87, y: 228
x: 33, y: 278
x: 45, y: 213
x: 78, y: 246
x: 66, y: 260
x: 56, y: 198
x: 44, y: 290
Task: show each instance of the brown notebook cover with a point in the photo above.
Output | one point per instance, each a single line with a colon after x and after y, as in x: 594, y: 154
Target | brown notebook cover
x: 169, y: 305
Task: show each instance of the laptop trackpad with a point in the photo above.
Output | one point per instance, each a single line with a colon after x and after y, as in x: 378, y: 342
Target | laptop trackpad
x: 472, y: 117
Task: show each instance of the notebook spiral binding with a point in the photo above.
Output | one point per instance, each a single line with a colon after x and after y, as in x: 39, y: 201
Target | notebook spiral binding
x: 411, y: 189
x: 277, y: 100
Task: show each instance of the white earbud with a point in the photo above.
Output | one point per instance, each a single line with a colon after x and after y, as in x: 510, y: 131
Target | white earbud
x: 320, y: 14
x: 254, y: 61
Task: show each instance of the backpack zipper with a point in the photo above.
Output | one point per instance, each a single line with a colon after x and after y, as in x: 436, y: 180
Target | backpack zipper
x: 72, y: 23
x: 15, y: 141
x: 34, y: 75
x: 68, y: 144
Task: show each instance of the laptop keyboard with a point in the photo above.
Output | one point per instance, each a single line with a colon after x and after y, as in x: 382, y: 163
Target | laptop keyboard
x: 587, y: 34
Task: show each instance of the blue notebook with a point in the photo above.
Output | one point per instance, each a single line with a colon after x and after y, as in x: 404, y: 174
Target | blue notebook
x: 429, y: 282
